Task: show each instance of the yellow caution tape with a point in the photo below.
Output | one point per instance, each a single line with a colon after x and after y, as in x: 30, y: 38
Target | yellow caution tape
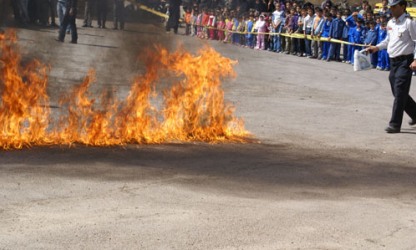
x: 145, y: 8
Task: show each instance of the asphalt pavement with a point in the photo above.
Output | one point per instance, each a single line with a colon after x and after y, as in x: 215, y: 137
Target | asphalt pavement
x: 320, y: 174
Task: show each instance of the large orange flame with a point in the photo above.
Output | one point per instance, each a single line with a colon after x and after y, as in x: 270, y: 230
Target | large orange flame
x: 193, y: 108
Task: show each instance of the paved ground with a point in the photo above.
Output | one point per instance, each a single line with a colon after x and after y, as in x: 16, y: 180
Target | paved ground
x: 325, y: 175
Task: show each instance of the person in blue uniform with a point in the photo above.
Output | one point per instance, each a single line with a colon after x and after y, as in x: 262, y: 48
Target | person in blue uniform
x: 371, y: 39
x: 336, y: 31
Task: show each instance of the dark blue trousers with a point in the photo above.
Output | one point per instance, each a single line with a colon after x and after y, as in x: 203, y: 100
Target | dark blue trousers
x: 68, y: 21
x: 400, y: 78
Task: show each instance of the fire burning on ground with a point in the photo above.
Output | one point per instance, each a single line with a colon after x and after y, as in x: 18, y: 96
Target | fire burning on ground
x: 193, y: 108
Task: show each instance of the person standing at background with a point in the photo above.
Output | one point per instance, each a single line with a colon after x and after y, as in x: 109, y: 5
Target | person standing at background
x: 119, y: 14
x: 52, y: 4
x: 102, y: 8
x: 88, y: 13
x: 174, y: 15
x: 69, y: 19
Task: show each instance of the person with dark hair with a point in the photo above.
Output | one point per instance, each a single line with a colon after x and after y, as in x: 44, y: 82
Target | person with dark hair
x: 400, y: 44
x: 69, y: 19
x: 371, y: 39
x: 174, y: 15
x: 260, y: 6
x: 351, y: 23
x: 317, y: 25
x: 307, y: 29
x: 336, y: 31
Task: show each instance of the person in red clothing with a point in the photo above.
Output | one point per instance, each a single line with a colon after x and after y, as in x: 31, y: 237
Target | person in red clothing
x: 188, y: 21
x: 204, y: 23
x: 212, y: 24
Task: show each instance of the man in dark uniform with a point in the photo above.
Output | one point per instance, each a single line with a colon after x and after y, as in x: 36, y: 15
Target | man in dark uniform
x: 174, y: 15
x: 69, y: 19
x: 102, y: 13
x: 400, y: 44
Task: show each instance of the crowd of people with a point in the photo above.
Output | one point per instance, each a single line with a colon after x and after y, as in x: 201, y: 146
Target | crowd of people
x: 44, y: 12
x: 293, y: 28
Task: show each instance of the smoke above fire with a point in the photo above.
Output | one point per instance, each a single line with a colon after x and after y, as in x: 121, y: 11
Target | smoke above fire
x: 192, y: 109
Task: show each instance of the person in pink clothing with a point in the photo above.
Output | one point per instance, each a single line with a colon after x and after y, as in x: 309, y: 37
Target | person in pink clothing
x: 261, y: 27
x: 221, y: 28
x: 199, y: 25
x: 229, y: 28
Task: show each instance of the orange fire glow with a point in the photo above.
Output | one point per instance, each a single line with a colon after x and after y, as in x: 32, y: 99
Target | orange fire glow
x: 193, y: 107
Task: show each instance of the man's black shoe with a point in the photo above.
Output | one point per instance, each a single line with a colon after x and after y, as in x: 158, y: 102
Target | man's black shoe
x: 392, y: 130
x: 412, y: 122
x: 74, y: 42
x: 59, y: 40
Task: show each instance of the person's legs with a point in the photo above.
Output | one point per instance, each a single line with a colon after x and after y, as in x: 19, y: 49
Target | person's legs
x: 279, y: 43
x: 308, y: 43
x: 63, y: 27
x: 319, y: 44
x: 314, y: 48
x: 258, y: 41
x: 42, y: 11
x: 74, y: 33
x: 60, y: 10
x: 325, y: 50
x: 337, y: 52
x: 262, y: 44
x: 52, y: 9
x: 115, y: 19
x: 400, y: 78
x: 89, y: 7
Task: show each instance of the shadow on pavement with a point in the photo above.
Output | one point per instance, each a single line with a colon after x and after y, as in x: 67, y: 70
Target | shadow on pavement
x: 247, y: 165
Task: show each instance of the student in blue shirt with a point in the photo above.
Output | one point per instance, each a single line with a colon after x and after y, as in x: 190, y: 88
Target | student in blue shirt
x: 249, y: 29
x: 325, y: 33
x: 336, y: 31
x: 371, y: 40
x: 383, y: 56
x: 345, y: 36
x: 351, y: 22
x: 358, y: 36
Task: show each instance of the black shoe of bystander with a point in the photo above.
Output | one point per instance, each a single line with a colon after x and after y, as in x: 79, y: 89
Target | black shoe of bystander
x: 412, y: 122
x: 392, y: 130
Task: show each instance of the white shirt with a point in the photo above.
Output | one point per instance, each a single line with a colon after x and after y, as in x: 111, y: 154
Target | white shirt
x: 260, y: 24
x: 307, y: 23
x: 277, y: 16
x: 401, y: 37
